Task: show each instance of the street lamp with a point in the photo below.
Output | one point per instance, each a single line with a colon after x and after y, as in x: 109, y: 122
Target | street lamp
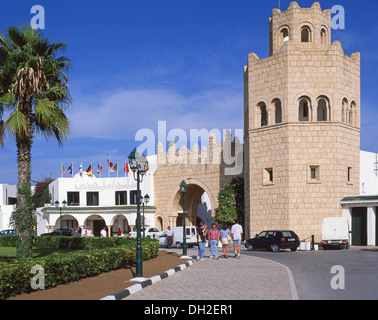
x: 183, y: 189
x: 144, y: 201
x: 57, y: 205
x: 138, y: 164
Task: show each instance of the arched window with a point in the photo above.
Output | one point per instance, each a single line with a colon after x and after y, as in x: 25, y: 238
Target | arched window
x: 305, y: 34
x: 345, y: 111
x: 263, y: 114
x: 322, y: 110
x: 285, y: 35
x: 277, y: 107
x: 353, y: 114
x: 323, y: 37
x: 304, y: 112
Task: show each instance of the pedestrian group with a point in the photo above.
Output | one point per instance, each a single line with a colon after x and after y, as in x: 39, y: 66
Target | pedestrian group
x: 213, y: 236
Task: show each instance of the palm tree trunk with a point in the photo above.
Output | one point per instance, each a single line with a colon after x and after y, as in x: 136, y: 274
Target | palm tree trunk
x: 24, y: 216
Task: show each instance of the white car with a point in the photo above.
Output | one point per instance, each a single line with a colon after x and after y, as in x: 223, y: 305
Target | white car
x: 153, y: 233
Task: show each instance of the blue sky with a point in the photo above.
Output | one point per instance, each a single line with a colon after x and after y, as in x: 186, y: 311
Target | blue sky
x: 137, y: 62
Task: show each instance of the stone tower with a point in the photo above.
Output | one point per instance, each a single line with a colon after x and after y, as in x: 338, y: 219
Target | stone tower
x: 302, y: 125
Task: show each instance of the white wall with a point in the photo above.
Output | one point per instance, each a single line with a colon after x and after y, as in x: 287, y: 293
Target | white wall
x: 368, y: 175
x: 106, y: 187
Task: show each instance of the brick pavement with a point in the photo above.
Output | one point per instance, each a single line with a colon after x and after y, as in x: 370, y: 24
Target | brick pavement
x: 247, y: 278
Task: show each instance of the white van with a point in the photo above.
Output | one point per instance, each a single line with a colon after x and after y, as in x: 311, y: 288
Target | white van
x: 335, y: 233
x: 191, y: 238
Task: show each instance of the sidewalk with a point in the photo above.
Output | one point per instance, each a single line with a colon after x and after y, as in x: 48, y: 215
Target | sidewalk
x: 247, y: 278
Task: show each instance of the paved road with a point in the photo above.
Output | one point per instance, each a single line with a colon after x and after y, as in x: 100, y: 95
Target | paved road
x: 247, y: 278
x: 312, y: 272
x: 257, y: 276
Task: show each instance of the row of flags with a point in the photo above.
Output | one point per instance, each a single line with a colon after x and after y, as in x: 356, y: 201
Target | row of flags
x: 111, y: 168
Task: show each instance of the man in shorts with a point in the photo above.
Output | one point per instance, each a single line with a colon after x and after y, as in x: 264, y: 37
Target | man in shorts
x: 237, y: 233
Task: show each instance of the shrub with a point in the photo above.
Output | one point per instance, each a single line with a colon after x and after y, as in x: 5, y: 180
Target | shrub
x: 61, y: 268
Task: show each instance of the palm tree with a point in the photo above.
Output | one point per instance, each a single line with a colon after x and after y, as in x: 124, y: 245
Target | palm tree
x: 34, y: 96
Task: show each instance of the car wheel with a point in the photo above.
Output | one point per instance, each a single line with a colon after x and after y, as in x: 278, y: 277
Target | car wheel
x: 275, y: 248
x: 293, y: 249
x: 178, y: 245
x: 250, y: 247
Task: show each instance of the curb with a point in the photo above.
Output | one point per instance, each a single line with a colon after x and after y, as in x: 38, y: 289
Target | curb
x: 137, y: 287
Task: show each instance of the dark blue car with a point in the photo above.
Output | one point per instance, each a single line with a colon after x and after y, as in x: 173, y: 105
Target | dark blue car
x: 274, y: 240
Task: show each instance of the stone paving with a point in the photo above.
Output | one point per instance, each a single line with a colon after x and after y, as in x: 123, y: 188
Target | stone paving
x: 247, y: 278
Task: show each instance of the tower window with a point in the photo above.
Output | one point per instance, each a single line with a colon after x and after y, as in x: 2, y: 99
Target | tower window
x: 305, y: 34
x: 323, y: 37
x: 264, y: 114
x: 285, y: 35
x: 278, y: 111
x: 268, y: 177
x: 322, y: 110
x: 349, y: 174
x: 314, y: 173
x: 304, y: 110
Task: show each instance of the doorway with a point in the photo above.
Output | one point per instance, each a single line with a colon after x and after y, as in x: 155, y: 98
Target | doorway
x: 359, y: 226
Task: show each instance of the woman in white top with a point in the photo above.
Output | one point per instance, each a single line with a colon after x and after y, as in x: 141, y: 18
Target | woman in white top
x: 89, y: 233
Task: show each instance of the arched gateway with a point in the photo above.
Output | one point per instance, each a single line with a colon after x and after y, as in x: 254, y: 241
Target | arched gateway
x: 205, y: 172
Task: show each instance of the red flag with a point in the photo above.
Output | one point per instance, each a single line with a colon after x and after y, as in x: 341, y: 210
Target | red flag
x: 126, y: 168
x: 110, y: 164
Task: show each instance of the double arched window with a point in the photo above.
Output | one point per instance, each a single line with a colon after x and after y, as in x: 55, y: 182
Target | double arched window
x: 322, y: 111
x: 349, y: 112
x: 268, y: 116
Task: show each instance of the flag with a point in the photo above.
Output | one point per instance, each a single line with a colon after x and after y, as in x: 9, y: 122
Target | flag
x: 126, y: 168
x: 63, y: 170
x: 99, y: 168
x: 89, y: 170
x: 115, y: 168
x: 70, y: 168
x: 110, y: 164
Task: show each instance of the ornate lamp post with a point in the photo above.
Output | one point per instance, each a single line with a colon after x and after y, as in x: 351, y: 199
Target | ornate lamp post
x: 57, y: 205
x: 146, y: 199
x: 183, y: 190
x: 138, y: 164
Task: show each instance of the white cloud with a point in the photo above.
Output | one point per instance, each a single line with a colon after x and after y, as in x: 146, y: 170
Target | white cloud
x: 119, y: 115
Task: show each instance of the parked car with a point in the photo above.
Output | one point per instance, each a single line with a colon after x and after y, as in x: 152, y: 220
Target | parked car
x: 191, y: 237
x: 335, y: 233
x: 153, y: 233
x: 59, y: 232
x: 274, y: 240
x: 8, y: 233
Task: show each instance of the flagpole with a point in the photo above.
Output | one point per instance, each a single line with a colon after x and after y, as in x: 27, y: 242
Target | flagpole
x: 61, y: 168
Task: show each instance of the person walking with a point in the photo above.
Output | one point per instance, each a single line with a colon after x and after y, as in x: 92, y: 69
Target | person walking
x: 214, y: 236
x: 201, y: 236
x: 237, y: 233
x: 103, y: 232
x: 170, y: 236
x: 225, y: 231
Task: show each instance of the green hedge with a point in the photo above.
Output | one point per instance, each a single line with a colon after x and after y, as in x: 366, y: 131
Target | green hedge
x: 60, y: 242
x: 64, y: 268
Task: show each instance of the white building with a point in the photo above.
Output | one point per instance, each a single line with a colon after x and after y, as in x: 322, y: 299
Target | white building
x: 8, y: 200
x: 361, y: 210
x: 98, y: 202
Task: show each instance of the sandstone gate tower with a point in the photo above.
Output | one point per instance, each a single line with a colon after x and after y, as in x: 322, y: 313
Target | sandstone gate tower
x: 203, y: 170
x: 302, y: 125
